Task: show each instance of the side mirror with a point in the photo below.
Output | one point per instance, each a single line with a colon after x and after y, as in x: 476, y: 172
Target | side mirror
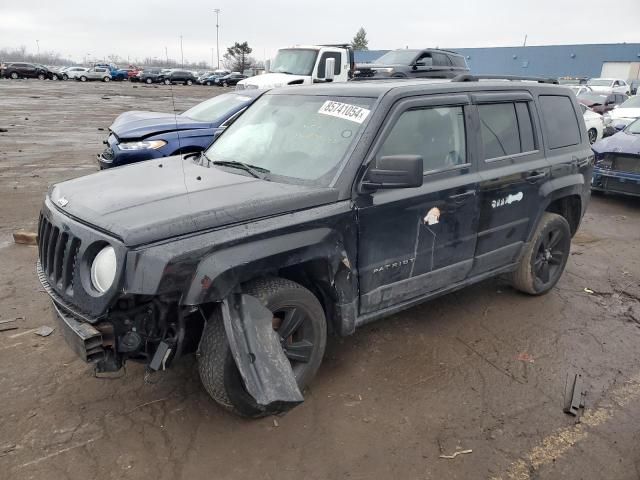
x: 394, y: 171
x: 329, y: 69
x: 619, y: 127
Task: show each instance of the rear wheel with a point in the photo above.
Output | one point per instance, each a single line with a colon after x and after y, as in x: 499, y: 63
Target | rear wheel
x: 42, y: 76
x: 593, y: 135
x: 65, y: 76
x: 14, y: 75
x: 167, y: 82
x: 225, y: 84
x: 208, y: 84
x: 106, y: 79
x: 83, y: 78
x: 298, y: 318
x: 148, y: 81
x: 545, y: 257
x: 189, y: 82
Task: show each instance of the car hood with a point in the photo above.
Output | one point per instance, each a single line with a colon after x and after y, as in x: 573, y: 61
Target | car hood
x: 136, y: 124
x: 601, y: 89
x: 167, y: 197
x: 624, y: 113
x: 273, y: 80
x: 621, y: 142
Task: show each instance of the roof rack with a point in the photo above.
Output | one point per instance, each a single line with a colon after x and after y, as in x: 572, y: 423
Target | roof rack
x: 475, y: 78
x: 337, y: 45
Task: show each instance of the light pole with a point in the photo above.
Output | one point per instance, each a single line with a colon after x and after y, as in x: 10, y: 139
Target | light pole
x: 181, y: 53
x: 166, y: 54
x: 38, y: 45
x: 217, y: 10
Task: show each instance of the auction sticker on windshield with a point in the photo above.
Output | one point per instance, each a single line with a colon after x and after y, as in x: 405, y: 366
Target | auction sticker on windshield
x: 344, y: 111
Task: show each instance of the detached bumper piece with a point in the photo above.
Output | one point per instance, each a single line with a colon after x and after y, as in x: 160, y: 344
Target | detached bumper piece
x: 83, y: 338
x: 256, y: 349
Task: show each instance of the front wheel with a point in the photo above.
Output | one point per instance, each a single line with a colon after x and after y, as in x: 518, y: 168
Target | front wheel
x: 167, y: 82
x: 41, y: 76
x: 298, y: 318
x: 65, y: 77
x: 225, y: 84
x: 148, y: 81
x: 14, y: 75
x: 83, y: 78
x: 545, y: 257
x: 106, y: 79
x: 189, y: 82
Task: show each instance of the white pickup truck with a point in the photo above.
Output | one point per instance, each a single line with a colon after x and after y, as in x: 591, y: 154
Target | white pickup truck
x: 304, y: 65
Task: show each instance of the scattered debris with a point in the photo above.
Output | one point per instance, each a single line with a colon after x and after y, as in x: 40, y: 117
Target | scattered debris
x: 275, y: 423
x: 525, y: 357
x: 455, y: 454
x: 44, y: 331
x: 11, y: 320
x: 6, y: 329
x: 25, y: 238
x: 101, y: 129
x: 574, y: 395
x: 3, y: 130
x: 588, y: 290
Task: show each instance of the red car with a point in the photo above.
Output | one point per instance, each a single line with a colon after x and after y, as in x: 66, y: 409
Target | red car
x: 601, y: 102
x: 132, y: 72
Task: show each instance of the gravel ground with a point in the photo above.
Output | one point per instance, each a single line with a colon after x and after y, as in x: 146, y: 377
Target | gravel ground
x: 482, y: 370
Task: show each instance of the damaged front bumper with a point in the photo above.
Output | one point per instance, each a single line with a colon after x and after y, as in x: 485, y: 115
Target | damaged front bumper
x: 613, y: 181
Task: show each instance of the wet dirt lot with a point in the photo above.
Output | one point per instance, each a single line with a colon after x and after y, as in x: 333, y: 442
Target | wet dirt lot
x: 483, y: 369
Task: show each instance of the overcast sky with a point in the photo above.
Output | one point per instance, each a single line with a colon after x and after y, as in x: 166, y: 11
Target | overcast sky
x: 142, y: 28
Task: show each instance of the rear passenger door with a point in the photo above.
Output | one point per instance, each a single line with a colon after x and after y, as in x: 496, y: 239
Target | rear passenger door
x: 414, y: 241
x: 513, y: 167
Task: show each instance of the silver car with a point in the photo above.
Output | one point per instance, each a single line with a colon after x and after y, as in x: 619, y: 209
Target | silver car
x: 95, y: 73
x: 72, y: 72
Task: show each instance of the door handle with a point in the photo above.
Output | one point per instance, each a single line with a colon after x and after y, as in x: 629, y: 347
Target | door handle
x: 535, y: 176
x: 460, y: 197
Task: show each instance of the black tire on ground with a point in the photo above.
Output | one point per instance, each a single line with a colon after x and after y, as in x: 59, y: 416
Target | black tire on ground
x: 545, y: 257
x: 189, y: 82
x: 293, y: 306
x: 593, y: 135
x: 148, y: 81
x: 14, y: 75
x: 42, y: 76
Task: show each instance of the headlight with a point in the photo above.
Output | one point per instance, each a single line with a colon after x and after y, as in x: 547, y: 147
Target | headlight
x: 143, y: 145
x: 103, y: 269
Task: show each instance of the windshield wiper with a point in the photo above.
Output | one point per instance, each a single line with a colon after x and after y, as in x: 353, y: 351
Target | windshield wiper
x: 255, y: 171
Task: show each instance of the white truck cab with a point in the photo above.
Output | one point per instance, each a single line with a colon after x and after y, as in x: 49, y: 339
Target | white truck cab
x: 305, y: 65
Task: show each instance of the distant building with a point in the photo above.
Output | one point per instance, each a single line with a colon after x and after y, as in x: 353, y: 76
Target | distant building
x: 617, y: 60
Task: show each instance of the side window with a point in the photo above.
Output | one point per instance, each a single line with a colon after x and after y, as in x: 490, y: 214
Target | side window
x: 336, y: 69
x: 499, y: 130
x: 560, y: 119
x: 437, y: 134
x: 616, y: 83
x: 458, y: 61
x: 440, y: 59
x: 425, y: 60
x: 525, y: 126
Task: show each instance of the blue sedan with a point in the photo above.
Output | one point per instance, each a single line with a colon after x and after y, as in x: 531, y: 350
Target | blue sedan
x: 136, y: 136
x: 617, y: 168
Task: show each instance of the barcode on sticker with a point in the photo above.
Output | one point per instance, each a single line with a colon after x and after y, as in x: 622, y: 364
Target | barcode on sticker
x: 344, y: 111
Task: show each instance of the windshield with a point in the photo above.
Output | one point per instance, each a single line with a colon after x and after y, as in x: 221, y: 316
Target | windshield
x: 593, y: 97
x: 397, y: 57
x: 633, y: 102
x: 217, y: 108
x: 569, y: 81
x: 633, y: 127
x: 294, y: 61
x: 297, y: 137
x: 599, y: 82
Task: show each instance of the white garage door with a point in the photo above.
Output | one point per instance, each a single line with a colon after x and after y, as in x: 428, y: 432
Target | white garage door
x: 616, y: 70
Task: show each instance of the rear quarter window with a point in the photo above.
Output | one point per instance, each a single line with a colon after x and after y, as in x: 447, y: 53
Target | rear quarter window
x: 561, y: 123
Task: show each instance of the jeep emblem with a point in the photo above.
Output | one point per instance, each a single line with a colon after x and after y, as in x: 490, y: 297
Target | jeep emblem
x: 63, y: 202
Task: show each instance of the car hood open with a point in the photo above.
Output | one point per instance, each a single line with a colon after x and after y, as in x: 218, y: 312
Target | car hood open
x: 172, y: 196
x: 137, y: 124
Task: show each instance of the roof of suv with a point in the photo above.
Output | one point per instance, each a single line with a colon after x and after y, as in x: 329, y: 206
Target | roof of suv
x: 379, y: 88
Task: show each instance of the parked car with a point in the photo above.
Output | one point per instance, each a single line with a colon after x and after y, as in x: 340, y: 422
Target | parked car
x: 625, y: 113
x: 633, y: 86
x: 594, y: 123
x: 617, y: 167
x: 229, y: 80
x: 320, y: 209
x: 95, y: 73
x: 602, y: 102
x: 136, y: 136
x: 116, y: 74
x: 176, y: 76
x: 402, y: 63
x: 608, y: 85
x: 17, y: 70
x: 569, y: 81
x: 210, y: 79
x: 132, y: 73
x: 147, y: 75
x: 72, y: 72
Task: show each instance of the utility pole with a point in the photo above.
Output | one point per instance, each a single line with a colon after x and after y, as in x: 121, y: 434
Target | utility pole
x: 181, y: 53
x: 166, y: 56
x: 217, y: 10
x: 525, y: 40
x: 38, y: 45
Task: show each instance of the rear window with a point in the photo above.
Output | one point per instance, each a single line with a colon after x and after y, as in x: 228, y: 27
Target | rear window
x: 560, y: 119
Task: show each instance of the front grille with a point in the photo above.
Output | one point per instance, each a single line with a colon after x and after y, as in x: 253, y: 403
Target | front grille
x: 615, y: 185
x: 58, y: 252
x: 624, y: 163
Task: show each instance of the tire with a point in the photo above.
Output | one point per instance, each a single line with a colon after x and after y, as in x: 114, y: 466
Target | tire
x: 548, y: 251
x: 148, y: 81
x: 225, y: 84
x: 593, y: 135
x: 42, y: 76
x: 167, y: 82
x: 65, y: 76
x: 83, y: 78
x: 208, y: 84
x: 106, y: 79
x: 14, y: 75
x: 189, y: 82
x: 54, y: 77
x: 218, y: 371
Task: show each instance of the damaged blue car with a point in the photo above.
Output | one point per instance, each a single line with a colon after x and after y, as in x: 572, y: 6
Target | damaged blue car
x: 136, y: 136
x: 617, y: 167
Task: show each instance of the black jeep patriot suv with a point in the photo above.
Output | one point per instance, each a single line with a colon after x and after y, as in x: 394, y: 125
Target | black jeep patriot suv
x: 320, y: 209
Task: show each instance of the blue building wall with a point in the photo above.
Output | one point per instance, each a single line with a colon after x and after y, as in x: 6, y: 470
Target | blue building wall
x: 548, y: 60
